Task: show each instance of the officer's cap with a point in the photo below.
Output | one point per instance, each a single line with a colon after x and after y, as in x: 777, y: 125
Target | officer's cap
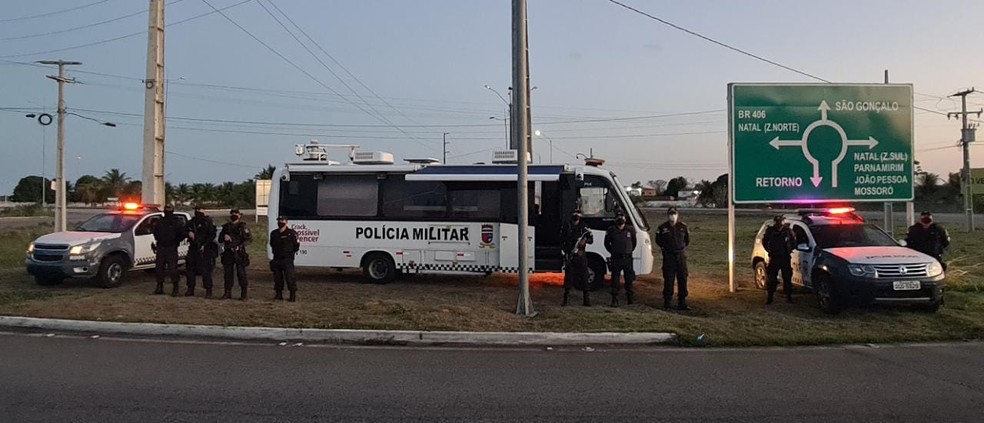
x: 671, y: 210
x: 925, y: 213
x: 234, y: 211
x: 777, y: 218
x: 576, y: 213
x: 168, y: 208
x: 619, y: 213
x: 284, y: 218
x: 199, y: 207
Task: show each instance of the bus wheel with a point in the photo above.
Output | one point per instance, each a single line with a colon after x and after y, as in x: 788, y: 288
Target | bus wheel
x: 596, y: 273
x: 379, y: 268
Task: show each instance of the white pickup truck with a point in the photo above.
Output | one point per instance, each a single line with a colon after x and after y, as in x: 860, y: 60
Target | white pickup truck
x: 103, y: 248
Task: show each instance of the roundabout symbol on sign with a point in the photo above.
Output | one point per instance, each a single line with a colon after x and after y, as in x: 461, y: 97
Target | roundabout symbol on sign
x: 871, y: 142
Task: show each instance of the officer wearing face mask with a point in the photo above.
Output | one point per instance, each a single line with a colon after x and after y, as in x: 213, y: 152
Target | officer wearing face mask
x: 779, y: 241
x: 284, y: 244
x: 928, y: 237
x: 673, y: 237
x: 575, y: 236
x: 620, y: 241
x: 169, y: 231
x: 235, y: 236
x: 202, y: 251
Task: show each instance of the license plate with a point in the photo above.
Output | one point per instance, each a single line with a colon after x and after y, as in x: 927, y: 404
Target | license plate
x: 906, y: 285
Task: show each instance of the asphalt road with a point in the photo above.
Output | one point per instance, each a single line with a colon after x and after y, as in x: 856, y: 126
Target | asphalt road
x: 53, y: 379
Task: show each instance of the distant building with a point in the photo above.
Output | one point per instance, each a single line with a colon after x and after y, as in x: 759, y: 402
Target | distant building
x: 648, y: 192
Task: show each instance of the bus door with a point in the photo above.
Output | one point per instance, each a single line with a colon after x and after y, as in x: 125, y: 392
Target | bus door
x: 548, y: 219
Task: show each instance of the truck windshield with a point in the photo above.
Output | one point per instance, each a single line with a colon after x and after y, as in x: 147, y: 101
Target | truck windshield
x: 632, y: 208
x: 109, y: 223
x: 862, y: 235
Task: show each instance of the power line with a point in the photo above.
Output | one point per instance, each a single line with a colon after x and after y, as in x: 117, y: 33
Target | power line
x: 56, y: 12
x: 94, y: 43
x: 211, y: 161
x: 62, y: 31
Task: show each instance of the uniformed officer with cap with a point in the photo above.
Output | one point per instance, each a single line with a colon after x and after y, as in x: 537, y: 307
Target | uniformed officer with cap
x: 575, y: 236
x: 284, y: 244
x: 673, y: 237
x: 779, y: 241
x: 235, y: 236
x: 928, y: 237
x: 620, y: 241
x: 169, y: 231
x: 202, y: 251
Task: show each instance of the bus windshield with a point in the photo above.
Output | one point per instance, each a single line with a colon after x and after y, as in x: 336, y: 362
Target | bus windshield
x: 637, y: 215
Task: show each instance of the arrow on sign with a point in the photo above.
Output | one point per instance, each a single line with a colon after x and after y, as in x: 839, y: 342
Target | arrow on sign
x: 823, y: 110
x: 816, y: 179
x: 777, y: 143
x: 871, y: 142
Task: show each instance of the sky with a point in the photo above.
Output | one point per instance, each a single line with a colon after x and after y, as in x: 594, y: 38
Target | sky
x: 395, y: 76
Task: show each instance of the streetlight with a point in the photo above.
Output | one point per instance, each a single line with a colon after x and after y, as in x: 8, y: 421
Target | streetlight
x: 506, y: 123
x: 44, y: 120
x: 550, y: 140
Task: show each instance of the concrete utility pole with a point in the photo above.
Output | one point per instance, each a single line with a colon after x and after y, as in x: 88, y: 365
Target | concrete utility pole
x: 967, y: 136
x: 153, y: 138
x: 445, y: 161
x: 889, y: 209
x: 61, y: 196
x: 521, y: 131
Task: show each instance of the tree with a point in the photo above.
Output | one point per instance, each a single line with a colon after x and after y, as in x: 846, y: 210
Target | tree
x: 637, y: 184
x: 92, y: 183
x: 659, y: 184
x: 714, y: 194
x: 29, y: 188
x: 266, y: 173
x: 674, y: 186
x: 115, y: 182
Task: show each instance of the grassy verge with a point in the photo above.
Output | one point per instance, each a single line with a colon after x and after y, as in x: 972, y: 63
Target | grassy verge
x: 330, y: 299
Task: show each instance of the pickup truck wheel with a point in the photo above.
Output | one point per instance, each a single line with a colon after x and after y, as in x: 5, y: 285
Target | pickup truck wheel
x: 47, y: 280
x: 827, y: 297
x: 761, y: 274
x: 379, y: 268
x: 112, y: 272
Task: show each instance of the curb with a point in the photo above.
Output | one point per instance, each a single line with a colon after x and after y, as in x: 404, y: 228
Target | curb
x: 344, y: 336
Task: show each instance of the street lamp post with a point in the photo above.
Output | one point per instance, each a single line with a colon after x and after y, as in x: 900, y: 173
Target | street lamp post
x: 44, y: 120
x: 506, y: 122
x: 549, y: 140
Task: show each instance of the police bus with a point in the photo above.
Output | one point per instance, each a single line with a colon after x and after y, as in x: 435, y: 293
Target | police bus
x: 423, y: 217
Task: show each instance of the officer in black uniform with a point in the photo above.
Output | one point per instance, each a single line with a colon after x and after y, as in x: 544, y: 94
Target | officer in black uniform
x: 620, y: 241
x: 928, y: 237
x: 283, y: 242
x: 169, y: 231
x: 779, y: 241
x: 673, y: 237
x: 575, y: 236
x: 202, y: 251
x: 235, y: 236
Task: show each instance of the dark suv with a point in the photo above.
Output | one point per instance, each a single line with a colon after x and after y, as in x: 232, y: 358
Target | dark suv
x: 841, y: 258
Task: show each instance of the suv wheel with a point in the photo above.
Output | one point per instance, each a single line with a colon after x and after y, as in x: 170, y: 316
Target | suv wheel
x: 827, y: 297
x: 761, y: 274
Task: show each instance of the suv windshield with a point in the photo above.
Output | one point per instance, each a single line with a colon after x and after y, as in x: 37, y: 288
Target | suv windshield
x: 859, y: 235
x: 109, y: 223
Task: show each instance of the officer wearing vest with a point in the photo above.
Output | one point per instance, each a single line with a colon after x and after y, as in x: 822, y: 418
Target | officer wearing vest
x: 928, y: 237
x: 575, y: 236
x: 169, y: 231
x: 284, y: 244
x: 620, y: 241
x: 202, y: 251
x: 235, y: 236
x: 779, y: 241
x: 673, y: 237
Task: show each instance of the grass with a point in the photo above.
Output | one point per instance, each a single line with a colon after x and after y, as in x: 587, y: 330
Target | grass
x: 330, y: 299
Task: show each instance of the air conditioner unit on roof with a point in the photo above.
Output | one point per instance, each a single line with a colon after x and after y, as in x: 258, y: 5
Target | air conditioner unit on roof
x: 372, y: 158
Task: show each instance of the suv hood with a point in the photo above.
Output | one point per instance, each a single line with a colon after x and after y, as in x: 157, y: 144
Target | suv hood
x: 73, y: 238
x: 880, y: 255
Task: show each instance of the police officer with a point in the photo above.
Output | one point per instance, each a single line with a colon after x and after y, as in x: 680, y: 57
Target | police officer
x: 202, y: 251
x: 620, y: 241
x: 169, y: 231
x: 575, y: 236
x: 284, y: 244
x: 928, y: 237
x: 235, y: 236
x: 673, y: 237
x: 779, y: 242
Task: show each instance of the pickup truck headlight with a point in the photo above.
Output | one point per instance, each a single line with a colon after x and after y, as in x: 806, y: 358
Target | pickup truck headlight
x: 30, y: 248
x: 861, y: 269
x: 934, y: 269
x: 83, y: 249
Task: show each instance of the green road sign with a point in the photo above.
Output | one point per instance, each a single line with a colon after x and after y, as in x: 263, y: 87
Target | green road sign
x: 808, y: 143
x: 977, y: 181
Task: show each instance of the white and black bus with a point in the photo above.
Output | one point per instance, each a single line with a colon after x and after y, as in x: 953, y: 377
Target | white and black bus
x: 423, y: 217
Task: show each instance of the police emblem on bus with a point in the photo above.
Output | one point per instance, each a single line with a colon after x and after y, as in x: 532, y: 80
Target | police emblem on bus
x: 487, y: 235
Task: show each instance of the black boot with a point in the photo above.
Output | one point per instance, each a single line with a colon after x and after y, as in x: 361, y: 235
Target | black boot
x: 628, y: 299
x: 293, y: 296
x: 667, y: 304
x: 159, y: 290
x: 175, y: 291
x: 614, y: 300
x: 789, y: 298
x: 242, y: 294
x: 682, y: 306
x: 769, y: 299
x: 278, y: 295
x: 227, y: 295
x: 208, y: 292
x: 567, y: 298
x: 587, y: 299
x: 190, y: 292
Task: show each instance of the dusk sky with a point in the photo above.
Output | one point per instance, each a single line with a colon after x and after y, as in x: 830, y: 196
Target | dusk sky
x: 649, y: 98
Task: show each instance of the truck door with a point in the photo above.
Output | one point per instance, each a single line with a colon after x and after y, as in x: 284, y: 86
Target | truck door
x: 143, y: 236
x: 802, y: 261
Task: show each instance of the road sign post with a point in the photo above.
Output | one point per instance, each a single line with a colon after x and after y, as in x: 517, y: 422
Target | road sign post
x: 809, y: 143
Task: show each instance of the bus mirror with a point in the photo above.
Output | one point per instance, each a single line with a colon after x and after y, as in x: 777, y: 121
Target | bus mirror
x: 579, y: 174
x: 285, y: 177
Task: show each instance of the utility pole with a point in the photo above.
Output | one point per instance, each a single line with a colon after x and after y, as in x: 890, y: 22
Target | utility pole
x: 889, y: 208
x: 520, y: 135
x: 445, y: 161
x: 967, y: 136
x: 61, y: 197
x: 153, y: 136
